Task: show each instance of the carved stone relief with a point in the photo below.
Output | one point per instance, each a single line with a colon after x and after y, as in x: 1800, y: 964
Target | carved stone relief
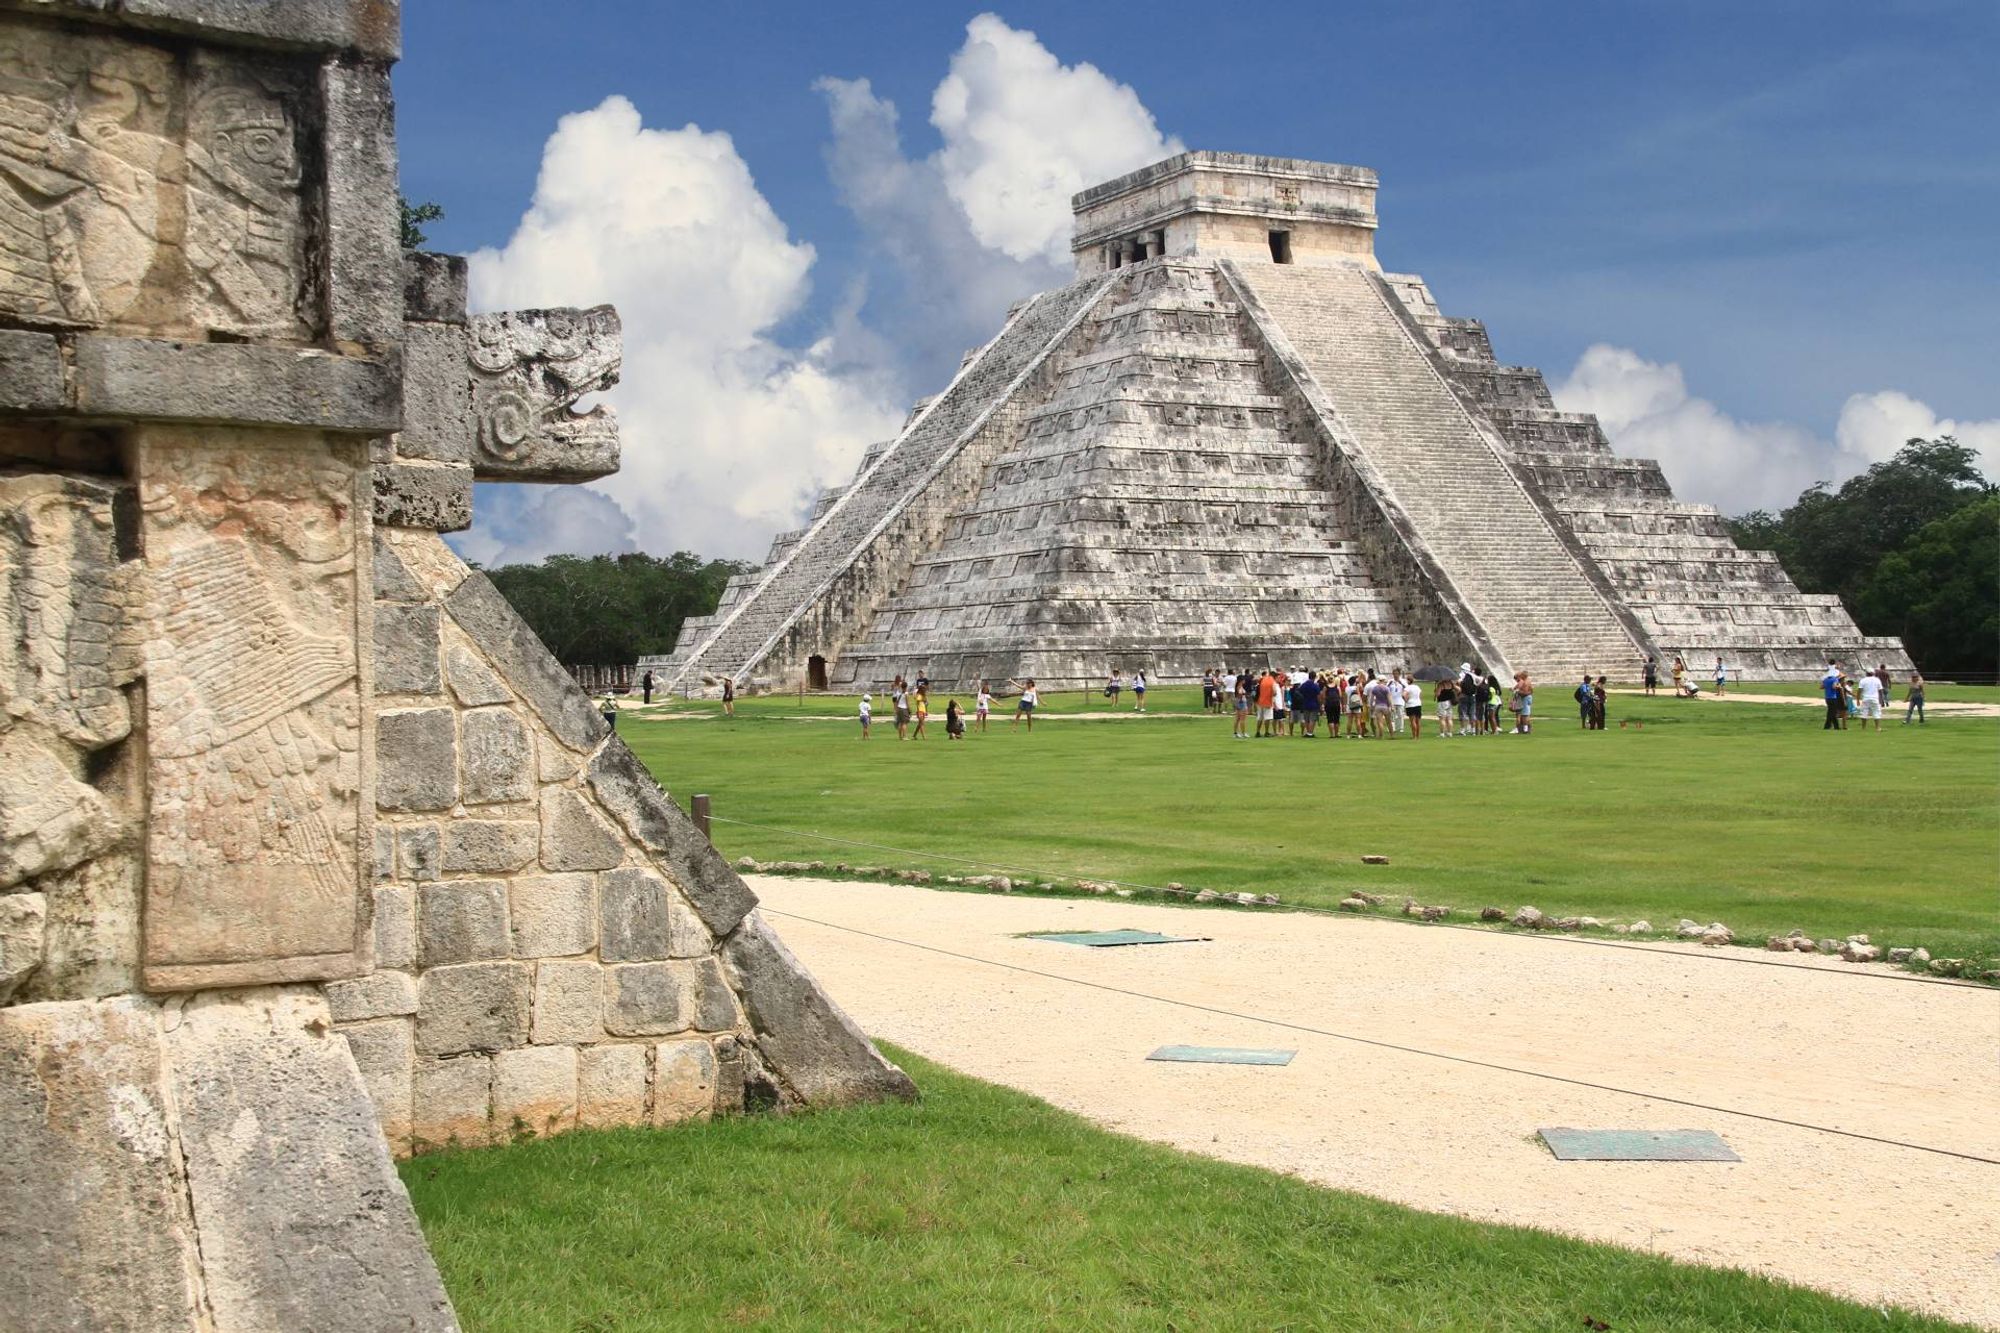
x: 530, y: 367
x: 254, y: 709
x: 145, y: 191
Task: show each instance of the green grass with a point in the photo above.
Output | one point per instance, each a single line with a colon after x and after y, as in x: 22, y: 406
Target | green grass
x: 985, y: 1208
x: 1743, y: 813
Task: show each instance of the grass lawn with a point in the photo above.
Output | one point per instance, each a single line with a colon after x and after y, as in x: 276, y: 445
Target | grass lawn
x: 1744, y: 813
x: 985, y: 1208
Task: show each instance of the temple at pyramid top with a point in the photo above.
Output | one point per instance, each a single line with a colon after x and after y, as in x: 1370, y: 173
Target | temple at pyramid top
x: 1281, y: 209
x: 1233, y: 440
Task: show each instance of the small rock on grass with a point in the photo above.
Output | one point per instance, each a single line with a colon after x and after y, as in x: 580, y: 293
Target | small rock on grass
x: 1374, y: 860
x: 1353, y: 904
x: 1492, y: 914
x: 1530, y: 917
x: 1207, y: 896
x: 1436, y: 913
x: 1717, y: 934
x: 1779, y: 944
x: 1920, y: 955
x: 1589, y: 923
x: 1803, y: 945
x: 1900, y: 955
x: 1639, y: 928
x: 1829, y: 946
x: 1857, y: 952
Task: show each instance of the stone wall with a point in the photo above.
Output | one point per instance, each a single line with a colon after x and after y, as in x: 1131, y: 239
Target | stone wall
x: 556, y: 945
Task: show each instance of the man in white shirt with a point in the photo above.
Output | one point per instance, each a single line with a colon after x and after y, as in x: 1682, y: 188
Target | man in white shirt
x: 1396, y: 703
x: 1871, y: 700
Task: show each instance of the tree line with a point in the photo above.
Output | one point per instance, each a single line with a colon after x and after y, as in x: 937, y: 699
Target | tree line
x: 610, y: 610
x: 1912, y: 546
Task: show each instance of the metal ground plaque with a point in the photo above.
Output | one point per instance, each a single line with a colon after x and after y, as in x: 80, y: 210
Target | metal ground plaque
x: 1637, y: 1145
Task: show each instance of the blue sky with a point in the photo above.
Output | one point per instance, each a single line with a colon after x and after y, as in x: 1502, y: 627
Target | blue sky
x: 1756, y: 213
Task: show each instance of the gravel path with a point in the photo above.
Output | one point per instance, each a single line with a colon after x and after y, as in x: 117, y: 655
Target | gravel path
x: 1810, y: 1040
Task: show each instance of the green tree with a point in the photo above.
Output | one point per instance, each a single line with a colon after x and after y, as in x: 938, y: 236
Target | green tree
x: 1940, y: 593
x: 610, y: 610
x: 414, y: 216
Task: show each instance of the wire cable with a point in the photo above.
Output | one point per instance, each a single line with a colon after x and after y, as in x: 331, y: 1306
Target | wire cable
x: 1393, y: 1046
x: 1172, y: 894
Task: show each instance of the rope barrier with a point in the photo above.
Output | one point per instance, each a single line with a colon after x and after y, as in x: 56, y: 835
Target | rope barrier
x: 1407, y: 1050
x: 1716, y: 957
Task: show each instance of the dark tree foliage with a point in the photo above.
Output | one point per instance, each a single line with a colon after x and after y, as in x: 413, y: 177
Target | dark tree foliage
x: 414, y: 216
x: 609, y: 610
x: 1876, y: 538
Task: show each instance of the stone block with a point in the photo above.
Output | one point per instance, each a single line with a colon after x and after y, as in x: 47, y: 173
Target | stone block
x: 451, y: 1101
x: 553, y: 762
x: 23, y: 931
x: 634, y: 913
x: 93, y: 1223
x: 495, y: 758
x: 574, y: 836
x: 385, y: 853
x: 624, y: 787
x: 395, y: 925
x: 490, y: 846
x: 418, y: 852
x: 365, y: 27
x: 552, y: 916
x: 31, y: 374
x: 534, y: 1090
x: 406, y: 649
x: 438, y: 421
x: 433, y: 287
x: 687, y: 937
x: 393, y: 580
x: 473, y: 1007
x: 241, y: 384
x: 433, y: 496
x: 498, y: 630
x: 377, y: 995
x: 568, y: 1003
x: 303, y: 1220
x: 461, y: 921
x: 416, y: 759
x: 611, y: 1086
x: 654, y: 999
x: 362, y: 235
x: 811, y: 1045
x: 385, y: 1053
x: 684, y: 1076
x: 473, y: 683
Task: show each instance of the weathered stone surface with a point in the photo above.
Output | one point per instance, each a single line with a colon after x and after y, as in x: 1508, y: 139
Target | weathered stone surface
x: 479, y: 609
x: 472, y: 1007
x: 416, y: 759
x: 494, y: 754
x: 385, y: 853
x: 91, y: 943
x: 645, y: 999
x: 433, y: 287
x: 461, y: 921
x: 574, y: 837
x: 568, y: 1002
x: 433, y: 496
x: 385, y: 1053
x: 304, y: 1216
x: 452, y: 1101
x: 235, y: 384
x: 257, y: 851
x: 684, y: 1079
x: 628, y: 791
x: 472, y: 681
x: 365, y: 27
x: 418, y: 853
x: 634, y: 909
x: 393, y: 580
x: 23, y: 929
x: 811, y: 1045
x: 482, y: 846
x: 378, y: 995
x: 31, y: 375
x: 534, y: 1090
x: 94, y: 1226
x: 438, y: 424
x: 528, y: 368
x: 406, y: 650
x: 611, y: 1086
x: 552, y: 916
x: 687, y: 937
x: 363, y: 238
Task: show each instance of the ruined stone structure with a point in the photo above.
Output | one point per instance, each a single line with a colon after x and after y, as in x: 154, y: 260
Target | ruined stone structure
x: 1235, y: 440
x: 308, y: 851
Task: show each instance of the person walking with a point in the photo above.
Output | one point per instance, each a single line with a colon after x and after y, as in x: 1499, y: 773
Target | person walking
x: 1652, y: 675
x: 867, y: 716
x: 983, y: 706
x: 1115, y: 686
x: 646, y: 686
x: 1836, y: 699
x: 1913, y: 697
x: 1139, y: 690
x: 729, y: 696
x: 1869, y: 689
x: 923, y: 711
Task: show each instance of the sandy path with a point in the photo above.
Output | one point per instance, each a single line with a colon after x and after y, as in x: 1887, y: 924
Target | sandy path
x: 1813, y: 1041
x: 1891, y: 715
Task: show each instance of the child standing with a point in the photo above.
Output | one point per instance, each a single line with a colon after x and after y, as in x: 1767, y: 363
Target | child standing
x: 985, y: 705
x: 867, y: 716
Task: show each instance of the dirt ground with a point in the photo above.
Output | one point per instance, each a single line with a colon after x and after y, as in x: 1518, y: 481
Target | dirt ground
x: 1806, y: 1039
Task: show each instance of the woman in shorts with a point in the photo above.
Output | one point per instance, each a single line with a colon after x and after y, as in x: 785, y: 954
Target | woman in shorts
x: 1447, y: 706
x: 984, y: 706
x: 923, y: 712
x: 1413, y: 705
x: 1240, y: 700
x: 1025, y: 705
x: 1139, y: 690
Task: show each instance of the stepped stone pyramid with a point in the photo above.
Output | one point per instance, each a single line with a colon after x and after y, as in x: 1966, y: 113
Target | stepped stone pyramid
x: 1235, y: 440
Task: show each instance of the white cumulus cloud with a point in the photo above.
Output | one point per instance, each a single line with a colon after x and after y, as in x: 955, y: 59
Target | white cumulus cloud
x: 1873, y: 426
x: 727, y: 432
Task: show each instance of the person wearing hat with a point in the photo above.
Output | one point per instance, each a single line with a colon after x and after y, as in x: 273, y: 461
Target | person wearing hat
x: 867, y: 716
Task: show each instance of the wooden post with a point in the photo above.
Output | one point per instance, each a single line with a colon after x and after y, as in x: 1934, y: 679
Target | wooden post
x: 698, y: 807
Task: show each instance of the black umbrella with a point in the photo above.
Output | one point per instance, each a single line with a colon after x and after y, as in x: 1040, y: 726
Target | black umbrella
x: 1435, y: 673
